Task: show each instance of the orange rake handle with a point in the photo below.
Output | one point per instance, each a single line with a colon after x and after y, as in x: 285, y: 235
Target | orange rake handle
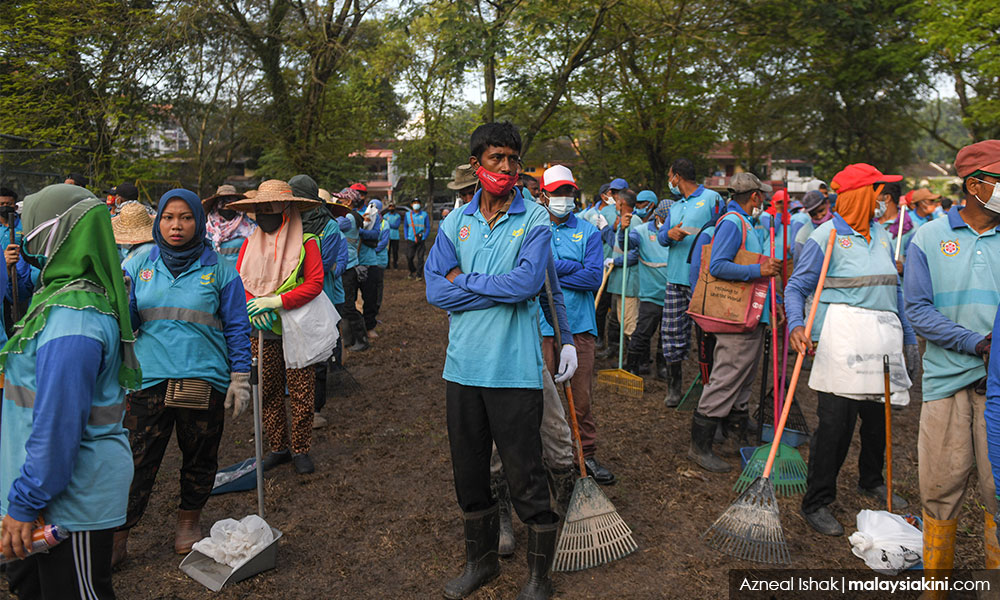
x: 604, y: 283
x: 566, y: 384
x: 780, y: 428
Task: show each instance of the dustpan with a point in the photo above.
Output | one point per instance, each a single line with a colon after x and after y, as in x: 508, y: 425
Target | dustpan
x: 619, y: 381
x: 204, y: 569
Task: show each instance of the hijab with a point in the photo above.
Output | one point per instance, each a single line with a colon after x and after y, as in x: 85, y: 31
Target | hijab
x: 271, y: 258
x: 179, y: 258
x: 82, y: 269
x: 313, y: 220
x: 857, y: 207
x: 220, y: 229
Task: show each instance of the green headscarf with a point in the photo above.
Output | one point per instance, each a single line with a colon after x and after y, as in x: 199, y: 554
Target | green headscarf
x: 81, y: 270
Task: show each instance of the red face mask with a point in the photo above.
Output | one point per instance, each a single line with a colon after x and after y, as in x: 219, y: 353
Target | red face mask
x: 497, y: 184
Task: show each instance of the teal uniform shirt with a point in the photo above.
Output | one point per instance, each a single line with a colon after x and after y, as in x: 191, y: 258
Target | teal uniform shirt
x: 694, y: 211
x: 610, y: 213
x: 394, y: 221
x: 333, y: 285
x: 615, y: 278
x: 653, y: 258
x: 382, y: 255
x: 77, y: 477
x: 493, y: 337
x: 952, y: 291
x: 576, y: 250
x: 229, y: 251
x: 349, y: 227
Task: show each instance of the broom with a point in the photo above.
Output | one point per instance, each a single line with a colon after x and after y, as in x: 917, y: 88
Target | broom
x: 750, y: 529
x: 593, y: 533
x: 790, y: 470
x: 619, y: 380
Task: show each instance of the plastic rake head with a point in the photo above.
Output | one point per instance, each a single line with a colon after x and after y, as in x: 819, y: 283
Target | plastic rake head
x: 593, y: 533
x: 750, y: 529
x: 690, y: 399
x: 621, y: 382
x: 788, y: 475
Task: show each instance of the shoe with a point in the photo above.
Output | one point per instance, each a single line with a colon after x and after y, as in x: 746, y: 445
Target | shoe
x: 702, y: 434
x: 188, y: 530
x: 637, y: 364
x: 879, y: 492
x: 501, y: 492
x: 823, y: 521
x: 599, y: 472
x: 319, y: 421
x: 610, y: 351
x: 409, y: 276
x: 361, y: 346
x: 562, y: 482
x: 371, y: 334
x: 482, y: 530
x: 661, y: 367
x: 673, y: 397
x: 303, y: 464
x: 273, y: 459
x: 119, y: 548
x: 541, y: 553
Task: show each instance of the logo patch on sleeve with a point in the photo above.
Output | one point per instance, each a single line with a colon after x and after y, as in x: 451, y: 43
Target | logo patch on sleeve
x: 845, y: 242
x: 463, y: 233
x: 950, y: 247
x: 146, y: 274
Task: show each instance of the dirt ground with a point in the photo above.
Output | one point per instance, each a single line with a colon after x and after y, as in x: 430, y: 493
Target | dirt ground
x: 379, y: 518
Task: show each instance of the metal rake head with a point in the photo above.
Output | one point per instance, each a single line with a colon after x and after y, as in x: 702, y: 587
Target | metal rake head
x: 621, y: 382
x: 750, y: 529
x: 593, y: 533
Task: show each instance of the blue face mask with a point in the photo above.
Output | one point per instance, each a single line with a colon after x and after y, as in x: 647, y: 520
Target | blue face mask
x: 675, y: 190
x: 640, y: 212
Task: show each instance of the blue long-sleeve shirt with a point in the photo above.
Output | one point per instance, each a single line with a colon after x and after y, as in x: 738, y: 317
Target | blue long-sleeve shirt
x: 705, y: 237
x: 992, y: 410
x: 558, y: 299
x: 633, y: 244
x: 702, y: 206
x: 727, y: 242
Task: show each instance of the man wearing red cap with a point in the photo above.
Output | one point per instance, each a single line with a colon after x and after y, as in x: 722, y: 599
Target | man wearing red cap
x: 951, y: 298
x: 860, y: 318
x: 361, y: 189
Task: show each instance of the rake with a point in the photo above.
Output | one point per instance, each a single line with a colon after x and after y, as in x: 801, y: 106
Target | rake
x: 690, y: 399
x: 706, y: 347
x: 620, y: 381
x: 593, y: 533
x: 750, y: 529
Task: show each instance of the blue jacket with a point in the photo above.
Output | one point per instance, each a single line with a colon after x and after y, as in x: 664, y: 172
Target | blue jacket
x: 992, y: 410
x: 652, y: 259
x: 333, y: 248
x: 63, y: 449
x: 952, y: 293
x: 576, y: 248
x: 194, y: 326
x: 419, y: 222
x: 352, y: 234
x: 493, y: 338
x: 694, y: 211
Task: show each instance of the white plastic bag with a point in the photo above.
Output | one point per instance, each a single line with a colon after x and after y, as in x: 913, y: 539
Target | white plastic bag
x: 309, y: 333
x: 234, y: 542
x: 886, y: 542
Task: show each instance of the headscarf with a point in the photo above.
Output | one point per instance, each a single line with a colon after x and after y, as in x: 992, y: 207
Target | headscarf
x: 857, y: 207
x: 220, y: 229
x: 82, y: 269
x: 314, y: 220
x: 662, y: 210
x: 893, y: 227
x: 178, y: 259
x: 270, y: 258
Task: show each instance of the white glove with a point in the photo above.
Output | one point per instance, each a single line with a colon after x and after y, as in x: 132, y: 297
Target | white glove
x: 608, y: 262
x: 601, y: 222
x: 567, y: 363
x: 238, y: 394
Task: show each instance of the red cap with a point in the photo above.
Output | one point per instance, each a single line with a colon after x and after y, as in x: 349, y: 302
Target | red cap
x: 780, y: 196
x: 360, y: 187
x: 981, y: 156
x: 907, y: 199
x: 555, y: 176
x: 859, y: 175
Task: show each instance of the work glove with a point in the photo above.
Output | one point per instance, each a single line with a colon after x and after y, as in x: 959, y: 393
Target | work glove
x: 600, y: 221
x: 567, y: 363
x: 983, y: 347
x: 912, y: 354
x: 608, y: 263
x: 263, y: 320
x: 264, y: 303
x: 238, y: 394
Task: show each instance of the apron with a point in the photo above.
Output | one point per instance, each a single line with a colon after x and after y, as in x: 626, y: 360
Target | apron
x: 840, y: 368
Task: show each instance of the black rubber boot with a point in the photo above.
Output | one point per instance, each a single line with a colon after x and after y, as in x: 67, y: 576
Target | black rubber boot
x: 632, y: 363
x: 736, y: 429
x: 562, y: 482
x: 674, y: 393
x: 702, y: 433
x: 502, y: 493
x: 610, y: 351
x: 482, y: 530
x: 541, y: 552
x: 661, y: 367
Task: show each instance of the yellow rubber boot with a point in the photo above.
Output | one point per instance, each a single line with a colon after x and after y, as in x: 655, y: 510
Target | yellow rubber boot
x: 990, y: 546
x: 939, y: 551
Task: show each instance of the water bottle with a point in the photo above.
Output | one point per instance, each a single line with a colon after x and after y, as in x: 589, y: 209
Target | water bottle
x: 42, y: 538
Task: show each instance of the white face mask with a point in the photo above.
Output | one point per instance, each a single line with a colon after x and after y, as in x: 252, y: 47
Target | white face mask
x: 993, y: 203
x: 756, y: 212
x: 609, y: 200
x: 415, y: 206
x: 560, y: 206
x: 880, y: 209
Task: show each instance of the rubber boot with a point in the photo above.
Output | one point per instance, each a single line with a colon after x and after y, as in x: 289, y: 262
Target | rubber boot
x: 661, y: 367
x: 633, y: 363
x: 990, y: 547
x: 482, y: 531
x: 562, y: 482
x: 188, y: 530
x: 610, y: 350
x: 502, y: 493
x: 939, y: 552
x: 702, y: 433
x: 674, y: 394
x: 736, y: 431
x: 119, y: 548
x: 541, y: 553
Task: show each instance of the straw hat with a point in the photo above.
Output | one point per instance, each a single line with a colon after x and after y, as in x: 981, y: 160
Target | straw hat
x: 269, y: 192
x: 133, y: 225
x: 223, y: 191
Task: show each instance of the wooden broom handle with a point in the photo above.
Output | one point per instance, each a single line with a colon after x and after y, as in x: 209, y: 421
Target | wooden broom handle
x: 604, y: 282
x: 566, y: 384
x: 799, y: 359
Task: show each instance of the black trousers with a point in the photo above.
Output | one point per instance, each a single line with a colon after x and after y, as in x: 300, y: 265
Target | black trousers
x: 394, y: 253
x: 647, y: 325
x: 603, y: 308
x: 150, y: 424
x: 322, y: 369
x: 77, y: 568
x: 354, y: 331
x: 478, y: 417
x: 415, y: 257
x: 832, y: 440
x: 371, y: 293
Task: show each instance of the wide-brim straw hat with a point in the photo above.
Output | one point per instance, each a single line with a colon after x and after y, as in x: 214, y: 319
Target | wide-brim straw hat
x: 133, y: 225
x: 272, y: 191
x: 462, y: 177
x: 223, y: 191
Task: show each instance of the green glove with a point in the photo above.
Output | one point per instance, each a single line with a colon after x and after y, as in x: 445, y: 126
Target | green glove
x: 259, y: 305
x: 263, y: 320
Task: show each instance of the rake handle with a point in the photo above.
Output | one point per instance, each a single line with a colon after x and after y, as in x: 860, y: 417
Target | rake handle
x: 774, y: 338
x: 888, y: 435
x: 604, y: 282
x: 566, y: 384
x: 621, y: 319
x: 899, y: 230
x: 780, y: 428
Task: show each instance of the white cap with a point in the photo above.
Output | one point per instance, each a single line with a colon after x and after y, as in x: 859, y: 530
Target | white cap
x: 556, y: 176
